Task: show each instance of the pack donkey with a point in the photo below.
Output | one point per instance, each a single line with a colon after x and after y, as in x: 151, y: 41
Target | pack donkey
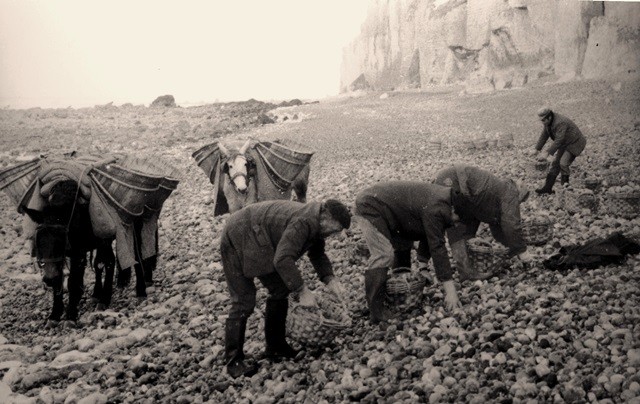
x: 69, y: 216
x: 254, y: 172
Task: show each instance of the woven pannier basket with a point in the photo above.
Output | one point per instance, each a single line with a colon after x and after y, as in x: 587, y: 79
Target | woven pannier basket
x: 574, y: 202
x: 316, y: 326
x: 404, y: 289
x: 486, y: 257
x: 623, y: 204
x: 537, y: 230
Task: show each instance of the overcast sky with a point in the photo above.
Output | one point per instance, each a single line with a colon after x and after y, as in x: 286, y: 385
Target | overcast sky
x: 81, y: 53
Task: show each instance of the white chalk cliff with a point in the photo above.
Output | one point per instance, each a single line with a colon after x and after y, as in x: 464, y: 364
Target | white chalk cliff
x: 491, y: 44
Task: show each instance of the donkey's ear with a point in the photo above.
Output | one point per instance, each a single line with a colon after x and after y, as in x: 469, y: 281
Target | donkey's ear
x: 35, y: 215
x: 252, y: 169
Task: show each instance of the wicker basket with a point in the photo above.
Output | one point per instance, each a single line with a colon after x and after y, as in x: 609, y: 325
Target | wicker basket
x: 616, y: 177
x: 404, y: 289
x: 434, y: 145
x: 486, y: 257
x: 542, y: 166
x: 505, y: 140
x: 481, y: 143
x: 592, y: 183
x: 468, y: 145
x: 17, y: 180
x: 318, y: 325
x: 574, y: 202
x: 623, y: 204
x: 537, y: 230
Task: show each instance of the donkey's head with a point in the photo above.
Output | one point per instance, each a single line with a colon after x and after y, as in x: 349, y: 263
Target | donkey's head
x: 51, y: 238
x: 237, y: 166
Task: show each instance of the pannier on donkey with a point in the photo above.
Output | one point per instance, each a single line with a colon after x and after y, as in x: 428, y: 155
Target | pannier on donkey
x: 80, y: 203
x: 255, y: 171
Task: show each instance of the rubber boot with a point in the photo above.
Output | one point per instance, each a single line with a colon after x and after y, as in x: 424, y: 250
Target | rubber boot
x: 375, y: 280
x: 275, y: 324
x: 564, y: 179
x: 548, y: 185
x: 465, y: 271
x: 234, y: 354
x: 402, y: 258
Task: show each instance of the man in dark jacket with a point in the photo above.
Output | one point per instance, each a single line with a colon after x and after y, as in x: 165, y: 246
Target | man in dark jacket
x: 568, y: 143
x: 264, y: 240
x: 392, y: 215
x: 483, y: 197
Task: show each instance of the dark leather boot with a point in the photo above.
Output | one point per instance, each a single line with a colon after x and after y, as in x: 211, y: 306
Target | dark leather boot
x: 548, y: 185
x: 564, y: 179
x: 234, y: 354
x: 375, y: 280
x: 275, y: 323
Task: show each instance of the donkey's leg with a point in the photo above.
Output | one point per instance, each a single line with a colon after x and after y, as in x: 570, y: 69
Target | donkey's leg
x: 107, y: 260
x: 124, y: 276
x: 98, y: 267
x: 141, y: 288
x: 76, y: 283
x: 58, y: 304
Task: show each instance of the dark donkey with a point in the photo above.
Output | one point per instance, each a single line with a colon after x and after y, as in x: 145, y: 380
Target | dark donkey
x: 65, y: 230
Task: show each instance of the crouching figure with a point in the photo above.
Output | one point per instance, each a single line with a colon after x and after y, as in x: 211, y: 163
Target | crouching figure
x: 483, y: 197
x: 264, y: 240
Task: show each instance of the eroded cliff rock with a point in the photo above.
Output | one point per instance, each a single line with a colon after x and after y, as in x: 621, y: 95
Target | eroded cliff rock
x: 491, y: 44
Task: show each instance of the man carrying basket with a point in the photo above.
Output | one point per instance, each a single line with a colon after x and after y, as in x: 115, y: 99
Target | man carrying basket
x: 264, y: 240
x: 392, y: 215
x: 483, y: 197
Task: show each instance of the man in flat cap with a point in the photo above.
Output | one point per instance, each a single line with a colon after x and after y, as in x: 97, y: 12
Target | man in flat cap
x: 483, y: 197
x: 568, y: 143
x: 392, y: 216
x: 264, y: 240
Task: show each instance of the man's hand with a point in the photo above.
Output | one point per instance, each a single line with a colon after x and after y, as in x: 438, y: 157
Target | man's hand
x: 451, y: 296
x: 336, y: 287
x: 525, y: 257
x: 543, y: 156
x: 307, y: 298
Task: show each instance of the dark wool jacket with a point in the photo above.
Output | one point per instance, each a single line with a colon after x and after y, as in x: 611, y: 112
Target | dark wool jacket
x: 271, y: 236
x: 565, y: 135
x: 411, y: 211
x: 486, y: 198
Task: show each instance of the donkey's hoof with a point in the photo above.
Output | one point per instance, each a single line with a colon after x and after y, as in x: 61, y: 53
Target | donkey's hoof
x: 52, y: 323
x: 101, y: 307
x: 69, y: 324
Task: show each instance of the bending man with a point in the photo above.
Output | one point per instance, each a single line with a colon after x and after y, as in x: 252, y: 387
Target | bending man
x: 264, y: 240
x: 483, y: 197
x: 392, y: 215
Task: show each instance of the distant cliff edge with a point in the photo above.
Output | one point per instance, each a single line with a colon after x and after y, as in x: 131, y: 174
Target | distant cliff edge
x: 491, y: 44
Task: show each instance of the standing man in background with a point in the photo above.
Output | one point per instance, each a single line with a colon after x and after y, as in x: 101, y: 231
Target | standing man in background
x: 568, y: 143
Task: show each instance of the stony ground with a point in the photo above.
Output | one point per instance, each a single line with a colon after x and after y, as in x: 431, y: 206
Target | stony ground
x: 527, y: 335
